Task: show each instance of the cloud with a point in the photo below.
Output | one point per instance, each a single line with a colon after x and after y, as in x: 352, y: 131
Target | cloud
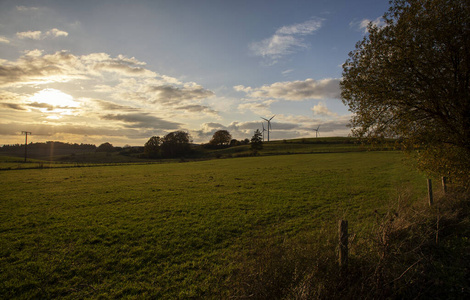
x: 321, y: 110
x: 259, y: 108
x: 173, y: 94
x: 4, y: 40
x: 42, y: 105
x: 25, y: 8
x: 34, y: 35
x: 304, y: 28
x: 197, y: 108
x: 73, y: 132
x: 106, y: 105
x: 115, y: 92
x: 38, y: 35
x: 364, y: 23
x: 34, y: 68
x: 56, y: 33
x: 14, y: 106
x: 286, y: 40
x: 120, y: 65
x: 287, y: 71
x: 296, y: 90
x: 142, y: 120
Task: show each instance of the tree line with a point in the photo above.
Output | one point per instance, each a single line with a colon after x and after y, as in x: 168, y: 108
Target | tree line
x: 178, y: 144
x: 50, y: 144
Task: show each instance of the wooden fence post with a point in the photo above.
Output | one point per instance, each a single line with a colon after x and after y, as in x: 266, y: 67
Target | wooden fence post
x: 430, y: 192
x: 444, y: 184
x: 343, y: 243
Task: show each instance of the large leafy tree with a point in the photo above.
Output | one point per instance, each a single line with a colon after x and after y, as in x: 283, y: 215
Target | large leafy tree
x: 220, y: 138
x: 105, y: 147
x: 152, y: 147
x: 176, y: 144
x: 411, y: 79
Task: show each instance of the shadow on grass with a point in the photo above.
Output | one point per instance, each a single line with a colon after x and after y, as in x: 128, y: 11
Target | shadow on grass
x: 413, y: 252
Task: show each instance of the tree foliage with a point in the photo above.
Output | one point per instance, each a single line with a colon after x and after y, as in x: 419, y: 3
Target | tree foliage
x: 152, y: 147
x: 256, y: 142
x: 105, y: 147
x: 411, y: 79
x: 176, y: 144
x: 221, y: 138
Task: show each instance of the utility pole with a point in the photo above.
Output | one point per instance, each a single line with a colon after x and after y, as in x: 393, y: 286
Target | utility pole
x: 25, y: 143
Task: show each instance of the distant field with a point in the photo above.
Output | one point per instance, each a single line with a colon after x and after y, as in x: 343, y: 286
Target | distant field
x: 176, y: 230
x: 40, y: 159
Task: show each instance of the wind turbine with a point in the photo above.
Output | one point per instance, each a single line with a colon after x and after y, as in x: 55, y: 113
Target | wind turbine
x: 269, y: 124
x: 316, y: 131
x: 264, y: 129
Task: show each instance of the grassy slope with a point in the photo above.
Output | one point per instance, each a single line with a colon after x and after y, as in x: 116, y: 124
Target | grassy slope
x: 173, y: 230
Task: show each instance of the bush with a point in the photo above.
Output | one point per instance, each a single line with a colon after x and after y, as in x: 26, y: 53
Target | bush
x: 413, y: 252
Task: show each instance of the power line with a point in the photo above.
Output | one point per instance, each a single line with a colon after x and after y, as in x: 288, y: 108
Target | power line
x: 26, y: 143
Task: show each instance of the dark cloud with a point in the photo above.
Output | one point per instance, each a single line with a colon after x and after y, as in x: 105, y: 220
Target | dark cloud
x: 107, y: 105
x: 41, y: 105
x: 197, y: 108
x: 172, y: 94
x: 142, y: 120
x: 13, y: 106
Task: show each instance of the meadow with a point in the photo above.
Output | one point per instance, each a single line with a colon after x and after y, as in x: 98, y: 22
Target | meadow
x: 178, y: 230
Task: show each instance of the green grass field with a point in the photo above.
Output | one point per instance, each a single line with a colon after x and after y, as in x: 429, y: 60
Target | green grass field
x: 176, y: 230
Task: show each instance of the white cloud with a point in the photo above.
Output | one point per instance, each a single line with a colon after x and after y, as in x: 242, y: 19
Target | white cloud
x: 287, y: 71
x: 296, y: 90
x: 39, y: 35
x: 259, y: 108
x: 286, y: 40
x: 304, y: 28
x: 364, y: 23
x: 4, y: 40
x: 56, y: 33
x: 321, y: 110
x: 25, y: 8
x: 34, y: 35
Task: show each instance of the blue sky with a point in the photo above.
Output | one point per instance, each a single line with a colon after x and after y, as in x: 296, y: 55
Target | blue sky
x: 123, y: 71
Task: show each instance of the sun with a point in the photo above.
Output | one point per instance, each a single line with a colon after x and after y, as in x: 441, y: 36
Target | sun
x: 55, y: 99
x: 54, y: 103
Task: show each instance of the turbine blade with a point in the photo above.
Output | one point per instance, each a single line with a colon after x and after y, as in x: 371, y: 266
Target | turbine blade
x: 264, y: 119
x: 272, y: 117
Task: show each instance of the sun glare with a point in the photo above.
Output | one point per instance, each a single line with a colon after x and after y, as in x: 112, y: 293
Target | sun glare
x: 55, y: 98
x: 54, y: 102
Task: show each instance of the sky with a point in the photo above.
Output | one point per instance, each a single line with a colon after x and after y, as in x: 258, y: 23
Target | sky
x: 124, y: 71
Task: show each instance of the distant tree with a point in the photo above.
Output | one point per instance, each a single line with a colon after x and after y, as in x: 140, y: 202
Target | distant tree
x: 410, y: 79
x: 256, y: 142
x: 105, y: 147
x: 152, y: 147
x: 234, y: 142
x: 221, y: 138
x: 176, y: 144
x: 246, y: 141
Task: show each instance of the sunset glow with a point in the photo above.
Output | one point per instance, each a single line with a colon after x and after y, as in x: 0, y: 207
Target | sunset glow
x: 121, y: 72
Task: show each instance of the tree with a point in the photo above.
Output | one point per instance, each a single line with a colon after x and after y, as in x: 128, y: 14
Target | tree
x: 152, y: 147
x: 256, y: 142
x: 221, y: 138
x: 411, y: 79
x: 176, y: 144
x: 105, y: 147
x: 235, y: 142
